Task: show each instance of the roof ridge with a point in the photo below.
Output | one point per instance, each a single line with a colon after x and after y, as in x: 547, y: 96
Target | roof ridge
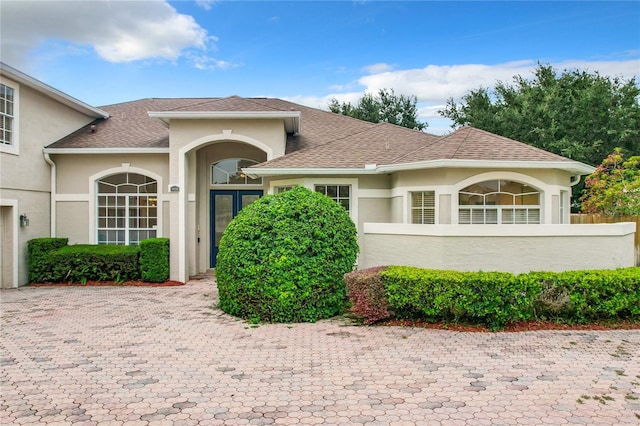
x: 463, y: 140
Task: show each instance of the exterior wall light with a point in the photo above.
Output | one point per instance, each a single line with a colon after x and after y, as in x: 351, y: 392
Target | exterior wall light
x: 24, y: 220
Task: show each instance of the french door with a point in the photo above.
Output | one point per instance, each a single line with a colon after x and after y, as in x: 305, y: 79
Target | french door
x: 225, y: 205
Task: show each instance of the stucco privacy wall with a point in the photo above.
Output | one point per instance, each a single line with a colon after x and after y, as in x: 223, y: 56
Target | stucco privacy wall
x: 75, y: 188
x: 507, y: 248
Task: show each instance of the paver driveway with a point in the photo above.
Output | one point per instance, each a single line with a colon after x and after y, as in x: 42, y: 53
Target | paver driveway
x: 167, y: 356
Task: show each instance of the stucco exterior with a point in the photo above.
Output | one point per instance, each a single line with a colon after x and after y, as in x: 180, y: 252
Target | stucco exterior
x: 42, y: 116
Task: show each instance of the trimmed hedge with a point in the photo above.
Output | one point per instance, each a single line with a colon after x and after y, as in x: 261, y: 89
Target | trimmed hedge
x: 39, y: 259
x: 154, y: 260
x: 283, y: 258
x: 494, y: 298
x: 84, y: 262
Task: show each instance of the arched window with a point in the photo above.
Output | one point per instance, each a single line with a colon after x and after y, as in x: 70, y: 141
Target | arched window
x: 127, y: 208
x: 229, y: 172
x: 499, y: 202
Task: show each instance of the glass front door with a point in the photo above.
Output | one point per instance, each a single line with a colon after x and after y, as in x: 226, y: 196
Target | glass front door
x: 225, y: 205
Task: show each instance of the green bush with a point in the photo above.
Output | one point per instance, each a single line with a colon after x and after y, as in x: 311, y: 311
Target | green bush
x: 583, y: 296
x: 489, y: 298
x: 495, y: 299
x: 154, y: 260
x: 83, y: 262
x: 38, y: 257
x: 283, y: 258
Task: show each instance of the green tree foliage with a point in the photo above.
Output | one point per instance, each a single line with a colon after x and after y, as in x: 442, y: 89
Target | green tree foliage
x: 577, y: 114
x: 385, y: 107
x: 614, y: 188
x: 283, y: 258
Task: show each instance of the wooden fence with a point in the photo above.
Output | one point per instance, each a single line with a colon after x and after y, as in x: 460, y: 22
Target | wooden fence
x: 593, y: 218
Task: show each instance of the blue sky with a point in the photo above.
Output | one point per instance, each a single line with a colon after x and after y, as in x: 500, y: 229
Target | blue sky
x: 105, y: 52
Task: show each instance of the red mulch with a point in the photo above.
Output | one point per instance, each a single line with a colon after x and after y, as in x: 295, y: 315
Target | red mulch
x: 515, y: 327
x: 110, y: 283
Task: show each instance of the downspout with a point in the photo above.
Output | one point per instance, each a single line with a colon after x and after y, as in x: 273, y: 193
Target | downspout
x: 575, y: 179
x: 52, y: 207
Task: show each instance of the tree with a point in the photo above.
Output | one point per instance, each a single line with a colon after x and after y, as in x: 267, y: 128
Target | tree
x: 385, y: 107
x: 577, y: 114
x: 284, y: 256
x: 614, y: 188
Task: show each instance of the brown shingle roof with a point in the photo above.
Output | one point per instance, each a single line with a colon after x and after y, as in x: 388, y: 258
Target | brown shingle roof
x: 326, y: 140
x: 468, y: 143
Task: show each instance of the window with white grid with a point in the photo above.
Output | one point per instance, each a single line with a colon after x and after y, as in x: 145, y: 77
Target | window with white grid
x: 423, y: 207
x: 499, y: 202
x: 7, y: 115
x: 127, y: 209
x: 341, y: 194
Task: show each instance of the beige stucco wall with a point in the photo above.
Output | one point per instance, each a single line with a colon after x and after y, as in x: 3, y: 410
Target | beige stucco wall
x: 25, y: 178
x: 75, y: 188
x: 448, y: 182
x: 508, y: 248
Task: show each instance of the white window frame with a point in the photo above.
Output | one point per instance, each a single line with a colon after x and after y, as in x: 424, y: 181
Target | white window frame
x: 227, y: 184
x: 126, y: 209
x: 422, y: 207
x: 14, y: 146
x: 124, y: 168
x: 310, y: 182
x: 338, y: 197
x: 500, y: 209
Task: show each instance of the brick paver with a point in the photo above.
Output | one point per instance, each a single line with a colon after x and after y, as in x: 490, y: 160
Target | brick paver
x: 168, y: 355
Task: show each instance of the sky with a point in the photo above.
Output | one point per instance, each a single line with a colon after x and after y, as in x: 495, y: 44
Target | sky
x: 310, y: 52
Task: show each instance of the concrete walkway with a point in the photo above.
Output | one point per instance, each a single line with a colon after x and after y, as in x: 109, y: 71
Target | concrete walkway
x: 123, y: 355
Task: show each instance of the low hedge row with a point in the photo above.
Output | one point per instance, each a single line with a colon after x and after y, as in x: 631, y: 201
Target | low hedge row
x: 493, y: 298
x: 52, y: 260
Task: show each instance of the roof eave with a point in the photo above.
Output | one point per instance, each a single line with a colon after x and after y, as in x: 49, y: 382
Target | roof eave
x: 106, y: 150
x: 291, y: 118
x: 573, y: 167
x: 49, y: 91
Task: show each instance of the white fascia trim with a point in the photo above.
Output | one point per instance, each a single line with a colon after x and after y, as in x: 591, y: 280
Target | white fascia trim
x: 49, y: 91
x: 106, y: 150
x: 570, y: 166
x: 165, y: 116
x: 259, y: 172
x: 573, y: 167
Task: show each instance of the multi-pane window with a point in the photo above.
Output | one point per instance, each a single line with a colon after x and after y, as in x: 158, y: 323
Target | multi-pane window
x: 423, y: 207
x: 499, y: 202
x: 229, y: 172
x: 127, y: 209
x: 341, y: 194
x: 7, y: 115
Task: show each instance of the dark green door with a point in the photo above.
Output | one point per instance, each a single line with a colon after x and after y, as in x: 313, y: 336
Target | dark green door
x: 225, y: 205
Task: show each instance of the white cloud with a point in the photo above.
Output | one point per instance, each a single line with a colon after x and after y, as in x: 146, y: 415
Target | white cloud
x: 118, y: 31
x: 434, y: 84
x: 206, y: 4
x: 377, y: 68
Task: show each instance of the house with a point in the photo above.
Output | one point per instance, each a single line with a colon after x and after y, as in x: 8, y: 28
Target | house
x: 182, y: 168
x: 33, y: 115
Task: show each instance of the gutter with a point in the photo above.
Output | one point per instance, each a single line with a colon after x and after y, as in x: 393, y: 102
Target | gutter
x: 52, y: 206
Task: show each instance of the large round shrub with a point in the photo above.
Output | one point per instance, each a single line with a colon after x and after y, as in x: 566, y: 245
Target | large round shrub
x: 283, y: 258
